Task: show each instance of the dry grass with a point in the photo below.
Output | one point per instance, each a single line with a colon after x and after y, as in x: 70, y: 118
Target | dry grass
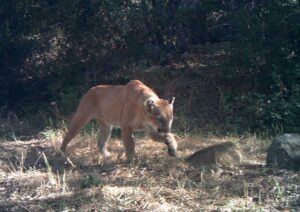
x: 34, y: 176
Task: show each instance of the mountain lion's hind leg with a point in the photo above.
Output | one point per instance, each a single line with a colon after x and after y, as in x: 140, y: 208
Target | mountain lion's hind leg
x: 77, y: 123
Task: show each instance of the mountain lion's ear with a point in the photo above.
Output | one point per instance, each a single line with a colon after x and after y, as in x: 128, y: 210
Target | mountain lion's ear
x: 171, y: 101
x: 150, y: 104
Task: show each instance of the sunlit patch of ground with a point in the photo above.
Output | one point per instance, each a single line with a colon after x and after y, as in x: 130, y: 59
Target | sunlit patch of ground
x: 35, y: 176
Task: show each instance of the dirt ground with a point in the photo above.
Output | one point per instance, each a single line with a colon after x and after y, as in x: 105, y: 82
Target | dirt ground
x: 34, y: 176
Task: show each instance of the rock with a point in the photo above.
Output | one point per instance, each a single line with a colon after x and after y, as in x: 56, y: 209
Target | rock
x: 219, y: 155
x: 284, y: 152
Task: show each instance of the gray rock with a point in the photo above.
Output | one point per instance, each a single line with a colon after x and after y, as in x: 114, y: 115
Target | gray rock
x: 284, y: 152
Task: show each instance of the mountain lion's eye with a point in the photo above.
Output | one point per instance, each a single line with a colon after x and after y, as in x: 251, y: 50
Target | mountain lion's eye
x: 161, y: 119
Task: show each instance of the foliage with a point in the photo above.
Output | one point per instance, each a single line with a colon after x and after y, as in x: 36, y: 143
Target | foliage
x: 53, y: 50
x: 267, y: 59
x: 89, y: 181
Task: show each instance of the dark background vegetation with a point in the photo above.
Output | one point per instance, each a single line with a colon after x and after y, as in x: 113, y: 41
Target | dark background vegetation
x: 233, y: 65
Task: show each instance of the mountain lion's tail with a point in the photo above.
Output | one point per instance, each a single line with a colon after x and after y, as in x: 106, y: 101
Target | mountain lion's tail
x: 56, y: 111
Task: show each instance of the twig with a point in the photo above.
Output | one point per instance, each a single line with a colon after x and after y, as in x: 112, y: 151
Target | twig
x: 49, y: 170
x: 67, y: 158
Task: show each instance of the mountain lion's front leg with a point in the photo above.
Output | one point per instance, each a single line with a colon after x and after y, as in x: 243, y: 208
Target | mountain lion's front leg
x: 128, y: 143
x: 168, y: 139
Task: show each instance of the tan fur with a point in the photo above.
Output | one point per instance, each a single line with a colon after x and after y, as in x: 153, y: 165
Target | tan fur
x: 131, y: 107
